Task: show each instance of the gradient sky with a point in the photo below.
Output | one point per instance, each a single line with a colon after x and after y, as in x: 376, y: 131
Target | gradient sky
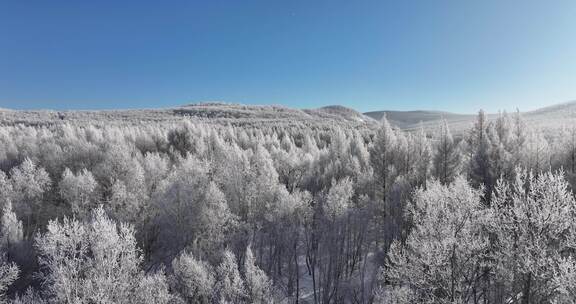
x: 456, y: 55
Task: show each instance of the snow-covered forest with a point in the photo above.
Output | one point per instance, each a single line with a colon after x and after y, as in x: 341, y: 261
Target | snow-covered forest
x: 298, y: 211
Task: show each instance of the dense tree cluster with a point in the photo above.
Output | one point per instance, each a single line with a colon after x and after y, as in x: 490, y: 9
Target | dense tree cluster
x: 192, y: 212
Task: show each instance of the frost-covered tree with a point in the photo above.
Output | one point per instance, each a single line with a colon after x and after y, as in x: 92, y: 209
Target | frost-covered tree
x: 30, y: 296
x: 8, y: 274
x: 535, y: 154
x: 565, y: 280
x: 6, y: 190
x: 193, y: 213
x: 156, y: 167
x: 447, y: 156
x: 262, y: 186
x: 382, y: 157
x: 310, y: 146
x: 480, y: 166
x: 193, y: 279
x: 439, y: 261
x: 395, y: 295
x: 422, y: 156
x: 338, y: 198
x: 29, y: 182
x: 11, y: 231
x: 153, y: 289
x: 95, y: 262
x: 519, y: 130
x: 181, y: 140
x: 258, y: 286
x: 121, y: 177
x: 567, y: 151
x: 533, y: 224
x: 214, y: 220
x: 229, y: 286
x: 78, y: 191
x: 291, y: 167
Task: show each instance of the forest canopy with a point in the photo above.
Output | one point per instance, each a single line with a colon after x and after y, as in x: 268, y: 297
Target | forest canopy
x: 296, y: 210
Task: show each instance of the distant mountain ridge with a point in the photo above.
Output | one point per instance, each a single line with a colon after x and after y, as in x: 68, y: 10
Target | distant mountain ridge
x: 341, y: 112
x: 556, y: 108
x: 410, y: 119
x: 208, y: 112
x: 549, y: 117
x: 554, y: 116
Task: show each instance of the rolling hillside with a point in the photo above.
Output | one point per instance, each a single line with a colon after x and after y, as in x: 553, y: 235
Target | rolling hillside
x: 340, y: 112
x: 412, y: 119
x: 213, y: 112
x: 554, y: 116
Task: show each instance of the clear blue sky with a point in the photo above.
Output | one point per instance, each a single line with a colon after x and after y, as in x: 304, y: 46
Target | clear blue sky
x: 430, y: 54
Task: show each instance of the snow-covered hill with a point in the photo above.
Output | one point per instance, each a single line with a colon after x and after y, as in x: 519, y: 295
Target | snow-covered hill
x: 227, y: 113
